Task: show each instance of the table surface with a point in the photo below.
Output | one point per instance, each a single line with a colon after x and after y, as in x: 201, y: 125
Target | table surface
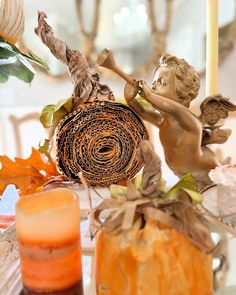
x: 7, y: 207
x: 89, y: 287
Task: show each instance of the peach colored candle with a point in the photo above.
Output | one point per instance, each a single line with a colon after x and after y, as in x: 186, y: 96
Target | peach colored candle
x: 48, y: 231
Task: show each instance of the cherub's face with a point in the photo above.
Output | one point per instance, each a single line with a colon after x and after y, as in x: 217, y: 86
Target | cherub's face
x: 164, y: 82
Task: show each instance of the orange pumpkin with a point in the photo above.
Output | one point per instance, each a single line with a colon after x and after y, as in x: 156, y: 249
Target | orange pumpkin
x: 151, y: 261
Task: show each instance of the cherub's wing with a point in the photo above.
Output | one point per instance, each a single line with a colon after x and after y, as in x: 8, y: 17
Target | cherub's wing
x: 214, y: 108
x: 214, y: 135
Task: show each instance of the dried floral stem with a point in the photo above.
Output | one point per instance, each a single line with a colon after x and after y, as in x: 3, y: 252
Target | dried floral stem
x: 85, y: 79
x: 151, y: 180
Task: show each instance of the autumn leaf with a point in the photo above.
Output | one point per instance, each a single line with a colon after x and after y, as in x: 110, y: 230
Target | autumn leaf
x: 26, y: 179
x: 35, y: 160
x: 26, y: 174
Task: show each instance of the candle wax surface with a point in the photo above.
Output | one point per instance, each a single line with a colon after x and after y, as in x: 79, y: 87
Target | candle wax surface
x: 51, y: 217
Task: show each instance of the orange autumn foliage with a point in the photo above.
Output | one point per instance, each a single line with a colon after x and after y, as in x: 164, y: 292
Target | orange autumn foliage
x: 26, y: 174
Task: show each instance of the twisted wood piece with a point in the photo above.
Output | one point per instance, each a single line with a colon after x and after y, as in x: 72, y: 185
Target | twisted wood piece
x: 86, y: 80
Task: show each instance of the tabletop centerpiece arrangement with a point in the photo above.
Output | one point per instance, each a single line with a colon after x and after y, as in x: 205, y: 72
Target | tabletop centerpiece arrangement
x: 154, y: 241
x: 98, y: 136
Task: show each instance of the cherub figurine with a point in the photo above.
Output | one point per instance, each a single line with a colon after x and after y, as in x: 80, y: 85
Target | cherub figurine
x: 183, y: 135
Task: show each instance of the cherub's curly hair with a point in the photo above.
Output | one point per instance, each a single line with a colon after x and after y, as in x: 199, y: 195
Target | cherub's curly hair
x: 187, y: 79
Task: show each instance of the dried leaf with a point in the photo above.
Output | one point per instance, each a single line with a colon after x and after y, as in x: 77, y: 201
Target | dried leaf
x: 151, y: 178
x: 176, y: 210
x: 26, y: 174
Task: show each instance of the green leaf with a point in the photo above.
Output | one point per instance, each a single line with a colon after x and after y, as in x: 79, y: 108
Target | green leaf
x: 44, y: 148
x: 25, y: 62
x: 138, y: 182
x: 3, y: 77
x: 195, y: 196
x: 52, y: 114
x: 24, y: 52
x: 185, y: 182
x: 163, y: 184
x: 8, y: 47
x: 8, y: 60
x: 5, y: 53
x: 34, y: 58
x: 118, y: 191
x: 13, y: 62
x: 16, y: 69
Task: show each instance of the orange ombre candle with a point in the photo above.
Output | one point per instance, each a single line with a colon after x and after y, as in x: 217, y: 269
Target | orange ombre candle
x: 48, y: 232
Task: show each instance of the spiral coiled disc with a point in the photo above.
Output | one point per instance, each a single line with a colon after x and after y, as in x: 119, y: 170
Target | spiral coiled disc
x: 100, y: 140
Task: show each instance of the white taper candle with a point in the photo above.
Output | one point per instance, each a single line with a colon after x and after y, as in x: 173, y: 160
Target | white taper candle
x: 212, y: 48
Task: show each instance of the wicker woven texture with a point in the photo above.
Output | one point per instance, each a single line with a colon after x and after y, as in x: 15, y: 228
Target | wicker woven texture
x: 100, y: 140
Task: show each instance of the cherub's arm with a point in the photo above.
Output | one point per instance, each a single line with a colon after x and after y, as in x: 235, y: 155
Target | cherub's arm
x: 150, y: 116
x: 185, y: 118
